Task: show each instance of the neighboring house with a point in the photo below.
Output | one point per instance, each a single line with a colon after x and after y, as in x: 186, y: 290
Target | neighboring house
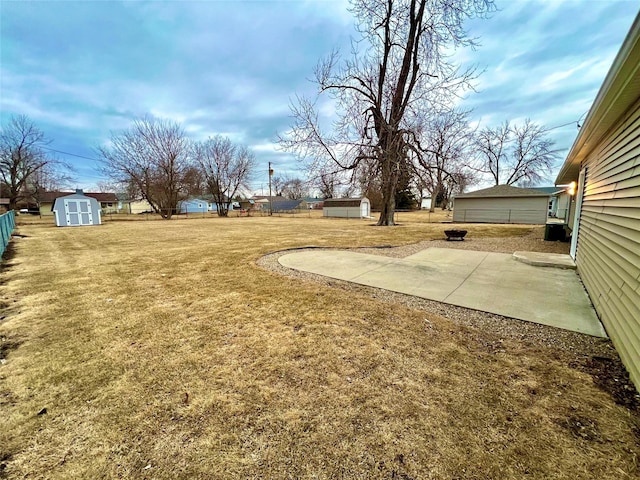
x: 250, y: 205
x: 313, y: 203
x: 4, y: 205
x: 194, y: 205
x: 264, y: 200
x: 108, y: 202
x: 502, y: 204
x: 282, y: 206
x: 76, y: 210
x: 604, y: 163
x: 138, y: 206
x: 347, y: 207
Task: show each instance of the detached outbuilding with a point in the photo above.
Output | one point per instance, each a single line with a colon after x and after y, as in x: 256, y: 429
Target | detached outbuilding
x: 76, y: 210
x: 347, y: 207
x: 502, y: 204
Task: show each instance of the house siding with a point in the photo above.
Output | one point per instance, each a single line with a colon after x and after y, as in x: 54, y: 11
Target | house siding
x: 528, y: 210
x: 608, y: 243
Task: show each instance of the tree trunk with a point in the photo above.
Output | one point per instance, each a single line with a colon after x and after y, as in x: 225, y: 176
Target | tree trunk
x: 223, y: 209
x: 387, y: 213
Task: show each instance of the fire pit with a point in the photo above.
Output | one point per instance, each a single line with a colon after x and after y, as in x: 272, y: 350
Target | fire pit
x: 455, y: 234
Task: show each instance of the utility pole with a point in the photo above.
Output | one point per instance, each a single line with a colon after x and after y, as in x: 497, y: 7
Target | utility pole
x: 270, y: 199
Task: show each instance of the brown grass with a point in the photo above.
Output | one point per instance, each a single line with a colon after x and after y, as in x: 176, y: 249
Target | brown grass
x: 161, y: 350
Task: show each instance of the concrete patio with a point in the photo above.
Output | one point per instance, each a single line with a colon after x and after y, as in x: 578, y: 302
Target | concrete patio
x: 541, y: 288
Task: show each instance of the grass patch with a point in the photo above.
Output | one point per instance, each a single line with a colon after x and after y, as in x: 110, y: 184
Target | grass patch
x: 161, y: 350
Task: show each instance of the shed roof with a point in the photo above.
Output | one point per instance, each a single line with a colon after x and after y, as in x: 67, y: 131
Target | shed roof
x: 504, y: 191
x: 343, y: 202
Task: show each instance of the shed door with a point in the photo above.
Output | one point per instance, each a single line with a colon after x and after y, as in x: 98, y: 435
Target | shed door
x: 78, y: 212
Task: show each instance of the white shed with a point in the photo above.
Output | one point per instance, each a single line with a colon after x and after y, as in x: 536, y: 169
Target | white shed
x: 347, y: 208
x: 502, y: 204
x: 76, y: 210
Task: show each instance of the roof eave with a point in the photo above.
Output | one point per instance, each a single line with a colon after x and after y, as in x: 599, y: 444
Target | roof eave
x: 618, y: 93
x: 506, y: 196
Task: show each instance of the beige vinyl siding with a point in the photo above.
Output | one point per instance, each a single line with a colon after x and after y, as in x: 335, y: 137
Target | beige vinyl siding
x: 45, y: 209
x: 345, y: 212
x: 608, y: 253
x: 529, y: 210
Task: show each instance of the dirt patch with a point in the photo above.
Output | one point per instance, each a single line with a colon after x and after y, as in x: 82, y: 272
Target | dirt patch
x: 4, y: 460
x: 581, y: 427
x: 6, y: 345
x: 8, y: 255
x: 610, y: 376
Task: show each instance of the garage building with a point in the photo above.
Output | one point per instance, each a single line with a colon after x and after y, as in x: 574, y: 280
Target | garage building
x: 502, y: 204
x: 347, y: 208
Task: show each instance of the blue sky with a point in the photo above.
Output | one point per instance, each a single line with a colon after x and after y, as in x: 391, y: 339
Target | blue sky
x: 80, y: 70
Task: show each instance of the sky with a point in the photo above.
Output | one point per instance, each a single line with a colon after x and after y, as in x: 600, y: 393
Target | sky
x: 82, y: 70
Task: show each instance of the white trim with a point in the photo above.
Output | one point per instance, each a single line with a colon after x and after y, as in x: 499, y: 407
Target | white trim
x: 576, y: 217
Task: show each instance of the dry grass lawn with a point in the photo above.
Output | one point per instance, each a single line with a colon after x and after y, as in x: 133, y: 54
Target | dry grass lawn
x: 161, y: 350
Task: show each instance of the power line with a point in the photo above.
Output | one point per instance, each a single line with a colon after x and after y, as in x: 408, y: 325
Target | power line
x: 72, y: 154
x: 560, y: 126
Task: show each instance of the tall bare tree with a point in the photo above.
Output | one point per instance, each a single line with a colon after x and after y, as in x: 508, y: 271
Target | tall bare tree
x: 515, y: 154
x: 441, y: 159
x: 21, y: 158
x: 532, y: 155
x: 295, y: 188
x: 153, y: 157
x: 225, y: 167
x: 492, y: 145
x: 328, y: 184
x: 399, y: 66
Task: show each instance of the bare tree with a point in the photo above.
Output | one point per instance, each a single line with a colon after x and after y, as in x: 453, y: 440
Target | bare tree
x: 491, y: 145
x: 399, y: 66
x: 153, y: 157
x: 295, y: 189
x: 328, y: 183
x: 278, y: 184
x: 21, y: 158
x: 532, y: 155
x: 225, y: 167
x: 444, y: 148
x: 519, y: 154
x: 51, y: 177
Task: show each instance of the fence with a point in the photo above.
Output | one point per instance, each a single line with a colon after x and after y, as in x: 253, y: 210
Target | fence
x: 7, y: 224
